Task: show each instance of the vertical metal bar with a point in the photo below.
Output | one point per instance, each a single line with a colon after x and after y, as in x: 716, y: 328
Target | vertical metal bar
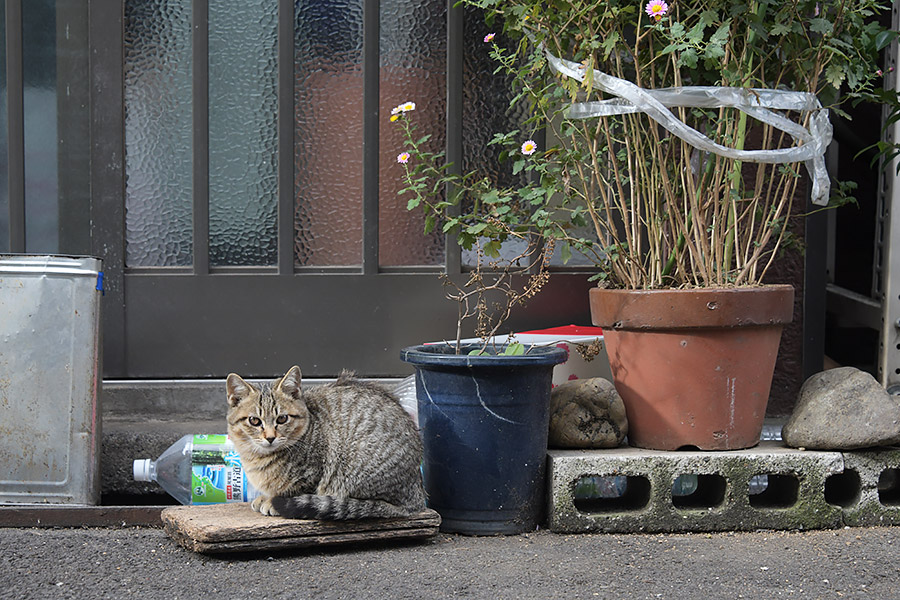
x: 15, y: 125
x: 286, y: 137
x: 454, y: 141
x: 370, y: 158
x: 107, y: 167
x: 73, y: 127
x: 815, y: 279
x: 889, y: 236
x: 200, y: 68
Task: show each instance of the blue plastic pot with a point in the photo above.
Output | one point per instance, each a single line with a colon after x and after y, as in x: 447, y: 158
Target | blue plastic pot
x: 484, y: 422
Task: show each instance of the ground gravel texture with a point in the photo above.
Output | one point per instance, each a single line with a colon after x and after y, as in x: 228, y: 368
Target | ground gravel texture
x: 145, y: 563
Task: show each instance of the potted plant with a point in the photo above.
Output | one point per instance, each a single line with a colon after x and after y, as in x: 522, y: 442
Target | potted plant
x: 677, y: 139
x: 483, y: 408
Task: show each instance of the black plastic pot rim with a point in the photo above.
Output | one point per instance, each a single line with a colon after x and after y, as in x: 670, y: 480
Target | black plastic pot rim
x: 444, y: 355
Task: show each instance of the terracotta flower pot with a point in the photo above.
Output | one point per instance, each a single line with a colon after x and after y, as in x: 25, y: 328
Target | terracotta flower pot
x: 694, y: 367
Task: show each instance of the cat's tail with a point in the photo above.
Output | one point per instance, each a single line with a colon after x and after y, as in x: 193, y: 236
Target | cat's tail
x: 331, y: 508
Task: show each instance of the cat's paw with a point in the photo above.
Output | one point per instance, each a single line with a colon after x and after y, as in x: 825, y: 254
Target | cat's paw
x: 264, y: 506
x: 257, y: 503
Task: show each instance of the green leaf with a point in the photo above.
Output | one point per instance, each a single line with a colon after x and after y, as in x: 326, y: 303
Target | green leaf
x: 492, y: 248
x: 671, y: 48
x: 688, y: 58
x: 884, y: 38
x: 609, y: 44
x: 695, y: 35
x: 720, y: 37
x: 518, y: 166
x: 780, y: 29
x: 566, y: 253
x: 514, y: 349
x: 820, y: 25
x: 714, y: 52
x: 492, y: 197
x: 834, y: 75
x: 412, y: 204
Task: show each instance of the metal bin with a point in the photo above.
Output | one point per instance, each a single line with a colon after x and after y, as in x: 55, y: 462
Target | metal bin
x: 50, y: 379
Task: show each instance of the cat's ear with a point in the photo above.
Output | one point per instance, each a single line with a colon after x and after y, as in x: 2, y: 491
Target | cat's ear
x: 236, y: 388
x: 290, y: 383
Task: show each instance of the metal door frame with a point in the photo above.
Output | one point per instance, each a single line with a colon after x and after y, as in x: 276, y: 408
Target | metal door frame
x: 136, y: 330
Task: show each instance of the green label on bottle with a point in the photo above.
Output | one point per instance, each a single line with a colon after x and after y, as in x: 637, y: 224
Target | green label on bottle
x: 208, y: 440
x: 216, y: 472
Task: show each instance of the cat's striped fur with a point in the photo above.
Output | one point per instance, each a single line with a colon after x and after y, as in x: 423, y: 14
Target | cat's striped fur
x: 345, y: 450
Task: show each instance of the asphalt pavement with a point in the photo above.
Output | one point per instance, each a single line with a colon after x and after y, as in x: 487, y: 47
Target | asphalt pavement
x: 85, y: 563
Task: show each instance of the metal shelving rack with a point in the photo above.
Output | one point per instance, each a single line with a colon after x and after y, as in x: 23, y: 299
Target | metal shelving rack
x: 880, y: 310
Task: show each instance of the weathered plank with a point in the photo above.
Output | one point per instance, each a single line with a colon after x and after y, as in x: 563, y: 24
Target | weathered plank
x: 220, y: 528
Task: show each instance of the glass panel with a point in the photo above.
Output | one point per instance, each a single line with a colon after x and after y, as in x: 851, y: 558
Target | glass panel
x: 4, y: 138
x: 243, y: 135
x: 328, y: 98
x: 413, y: 64
x: 158, y: 130
x: 486, y: 99
x: 39, y: 100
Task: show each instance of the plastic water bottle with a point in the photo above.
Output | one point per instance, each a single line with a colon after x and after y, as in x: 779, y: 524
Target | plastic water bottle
x: 199, y: 469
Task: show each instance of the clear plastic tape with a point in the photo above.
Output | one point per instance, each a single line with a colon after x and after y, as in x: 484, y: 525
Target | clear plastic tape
x: 757, y: 103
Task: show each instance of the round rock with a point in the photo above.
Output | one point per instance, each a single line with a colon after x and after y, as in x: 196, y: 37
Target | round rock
x: 843, y: 409
x: 587, y: 413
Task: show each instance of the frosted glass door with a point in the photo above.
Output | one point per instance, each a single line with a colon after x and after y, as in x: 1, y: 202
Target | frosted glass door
x: 262, y: 222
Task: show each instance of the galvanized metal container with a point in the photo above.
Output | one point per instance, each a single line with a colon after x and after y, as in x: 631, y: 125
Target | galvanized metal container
x: 50, y: 379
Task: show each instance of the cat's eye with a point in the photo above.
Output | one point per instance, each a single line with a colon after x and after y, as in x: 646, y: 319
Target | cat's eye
x: 281, y: 419
x: 254, y: 421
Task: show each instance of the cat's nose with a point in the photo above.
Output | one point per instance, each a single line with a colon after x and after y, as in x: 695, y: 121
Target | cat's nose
x: 270, y: 440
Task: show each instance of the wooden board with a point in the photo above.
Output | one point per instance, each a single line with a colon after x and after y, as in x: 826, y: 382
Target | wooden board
x: 220, y: 528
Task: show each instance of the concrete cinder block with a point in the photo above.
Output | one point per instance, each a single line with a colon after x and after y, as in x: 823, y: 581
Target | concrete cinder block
x: 793, y: 499
x: 876, y: 474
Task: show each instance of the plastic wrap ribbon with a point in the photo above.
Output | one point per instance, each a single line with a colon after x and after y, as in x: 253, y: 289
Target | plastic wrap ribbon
x: 757, y: 103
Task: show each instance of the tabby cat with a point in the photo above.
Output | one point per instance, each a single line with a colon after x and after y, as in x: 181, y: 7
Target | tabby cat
x: 345, y: 450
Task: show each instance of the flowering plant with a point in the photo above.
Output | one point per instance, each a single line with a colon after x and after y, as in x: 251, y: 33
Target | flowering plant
x: 671, y: 136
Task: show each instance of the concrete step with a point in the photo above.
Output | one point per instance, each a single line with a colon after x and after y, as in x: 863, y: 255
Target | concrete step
x: 767, y: 487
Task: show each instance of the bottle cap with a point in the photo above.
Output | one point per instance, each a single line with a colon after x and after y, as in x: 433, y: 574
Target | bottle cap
x: 141, y: 469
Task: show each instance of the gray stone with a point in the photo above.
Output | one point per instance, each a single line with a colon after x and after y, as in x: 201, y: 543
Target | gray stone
x: 587, y: 413
x: 843, y: 409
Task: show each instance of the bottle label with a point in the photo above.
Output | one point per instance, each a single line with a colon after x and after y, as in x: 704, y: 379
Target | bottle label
x: 217, y: 475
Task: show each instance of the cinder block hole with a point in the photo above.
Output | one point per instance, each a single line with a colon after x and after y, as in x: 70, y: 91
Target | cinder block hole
x: 611, y: 493
x: 698, y: 491
x: 843, y: 489
x: 780, y: 490
x: 889, y: 487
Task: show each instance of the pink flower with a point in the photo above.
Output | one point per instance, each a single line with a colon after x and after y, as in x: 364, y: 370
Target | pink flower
x: 403, y: 158
x: 489, y: 37
x: 656, y: 9
x: 529, y: 147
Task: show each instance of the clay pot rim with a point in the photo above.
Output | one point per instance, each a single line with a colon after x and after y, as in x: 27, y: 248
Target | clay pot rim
x: 766, y: 305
